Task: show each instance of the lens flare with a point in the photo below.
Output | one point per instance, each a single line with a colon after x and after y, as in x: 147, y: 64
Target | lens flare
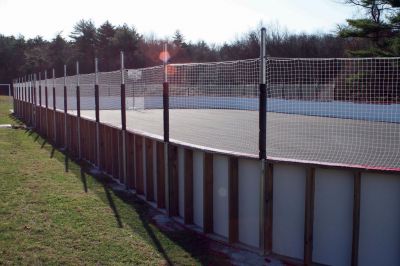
x: 164, y: 56
x: 171, y: 70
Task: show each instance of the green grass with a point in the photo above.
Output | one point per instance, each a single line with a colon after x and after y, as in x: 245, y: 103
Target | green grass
x: 50, y: 216
x: 5, y: 106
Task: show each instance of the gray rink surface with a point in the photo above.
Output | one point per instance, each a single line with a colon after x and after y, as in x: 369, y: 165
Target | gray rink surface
x: 289, y: 136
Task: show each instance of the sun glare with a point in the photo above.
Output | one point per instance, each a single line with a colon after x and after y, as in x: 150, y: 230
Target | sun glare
x: 164, y: 56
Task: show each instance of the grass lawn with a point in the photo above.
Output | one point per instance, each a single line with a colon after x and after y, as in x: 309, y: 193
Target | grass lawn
x: 50, y: 216
x: 5, y: 106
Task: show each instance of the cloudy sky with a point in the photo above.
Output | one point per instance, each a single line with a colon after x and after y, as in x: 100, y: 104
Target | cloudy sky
x: 215, y: 21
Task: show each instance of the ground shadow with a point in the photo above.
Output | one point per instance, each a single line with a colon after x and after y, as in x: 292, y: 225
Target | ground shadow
x: 52, y: 152
x: 112, y: 205
x: 15, y: 120
x: 83, y: 178
x: 44, y: 143
x: 196, y: 245
x: 66, y: 162
x: 51, y: 147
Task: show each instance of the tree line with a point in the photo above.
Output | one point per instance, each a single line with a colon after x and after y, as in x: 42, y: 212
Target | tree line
x: 376, y: 34
x: 19, y: 56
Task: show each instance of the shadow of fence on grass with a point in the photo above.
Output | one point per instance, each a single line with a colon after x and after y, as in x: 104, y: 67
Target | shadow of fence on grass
x: 131, y: 211
x: 83, y: 180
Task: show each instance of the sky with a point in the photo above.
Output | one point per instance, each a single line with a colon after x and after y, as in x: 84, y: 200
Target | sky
x: 214, y: 21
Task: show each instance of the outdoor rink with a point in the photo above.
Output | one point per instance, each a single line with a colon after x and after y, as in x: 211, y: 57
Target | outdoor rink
x: 289, y: 136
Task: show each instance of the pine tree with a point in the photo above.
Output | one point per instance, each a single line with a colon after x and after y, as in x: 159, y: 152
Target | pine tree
x: 85, y: 39
x: 127, y: 39
x: 106, y: 51
x: 59, y: 53
x: 380, y: 26
x: 179, y: 40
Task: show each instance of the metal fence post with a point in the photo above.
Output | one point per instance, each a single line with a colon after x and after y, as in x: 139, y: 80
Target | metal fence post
x: 24, y: 97
x: 28, y: 100
x: 54, y: 108
x: 123, y: 119
x: 32, y: 89
x: 18, y: 98
x: 23, y: 86
x: 31, y: 106
x: 30, y: 84
x: 33, y: 84
x: 166, y: 97
x: 13, y: 96
x: 166, y: 130
x: 21, y: 91
x: 78, y: 110
x: 96, y: 104
x: 17, y: 94
x: 21, y: 95
x: 46, y: 101
x: 65, y: 110
x: 40, y: 102
x: 262, y: 137
x: 15, y: 87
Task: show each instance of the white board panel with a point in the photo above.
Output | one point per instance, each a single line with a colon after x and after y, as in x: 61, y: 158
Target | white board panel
x: 220, y: 195
x: 333, y: 216
x: 379, y: 220
x: 288, y: 210
x: 166, y: 170
x: 249, y: 202
x: 181, y: 181
x: 198, y: 162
